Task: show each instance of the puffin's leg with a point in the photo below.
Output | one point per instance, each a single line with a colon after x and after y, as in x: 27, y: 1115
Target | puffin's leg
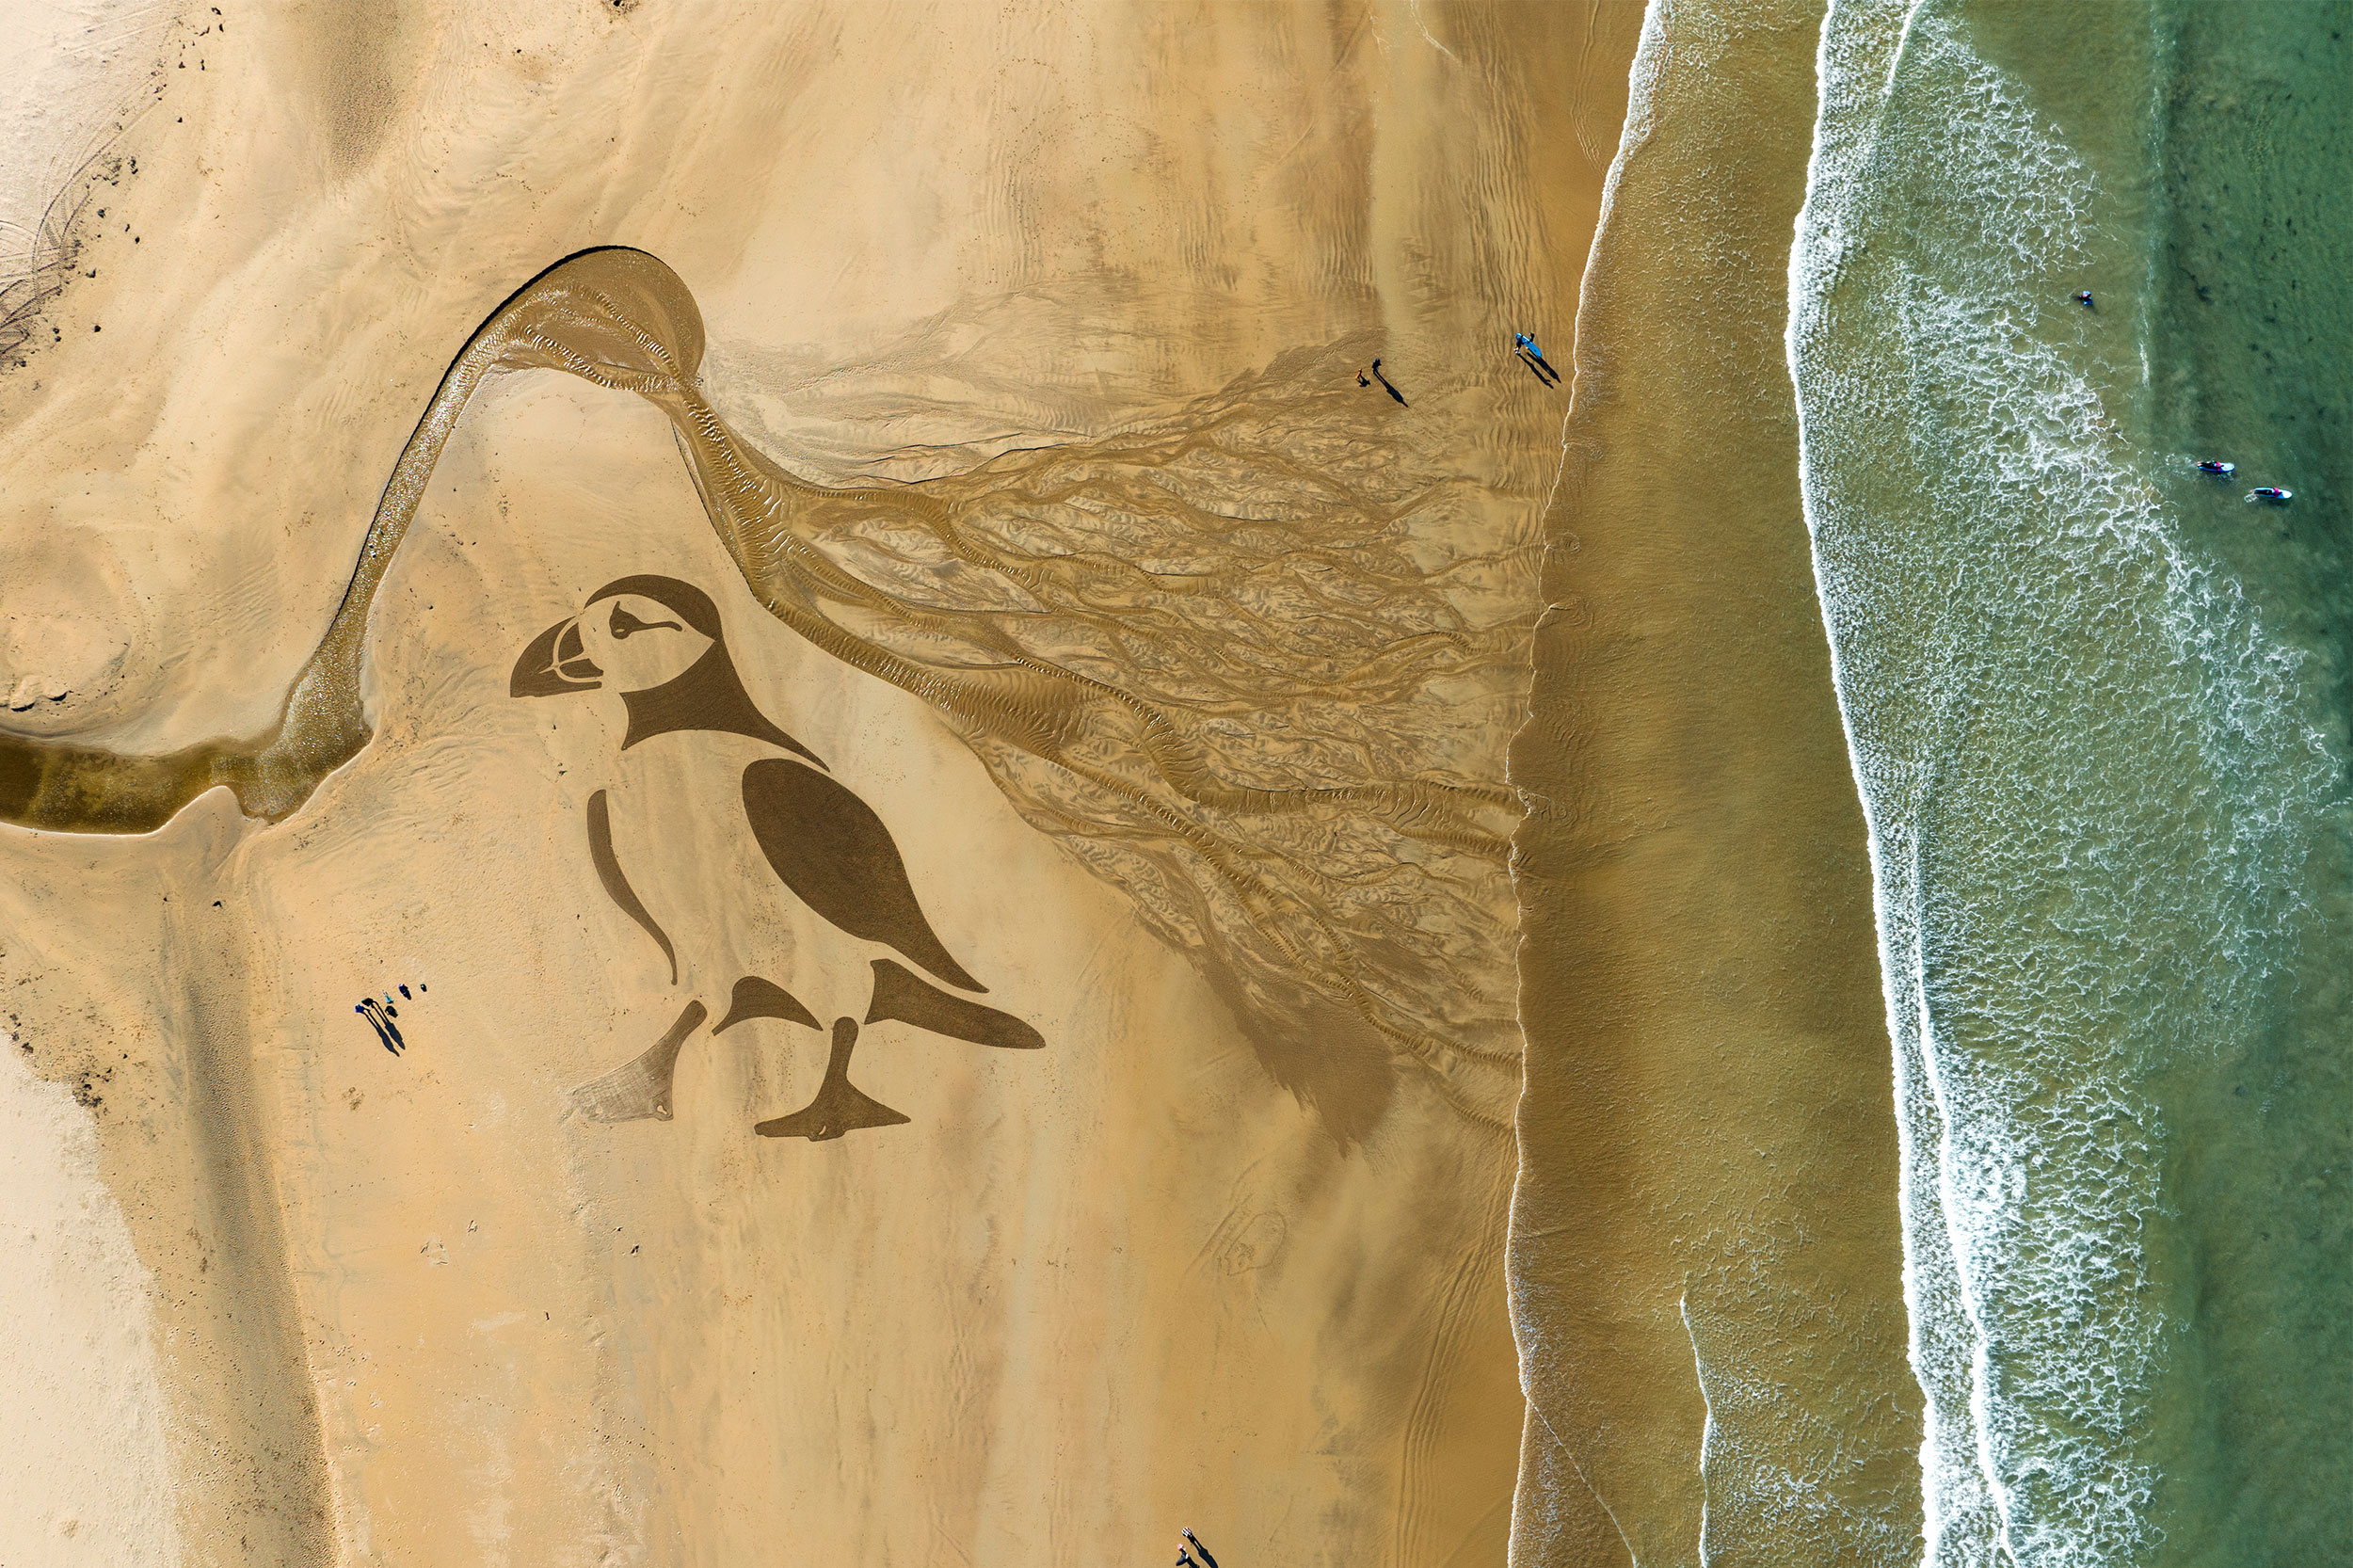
x: 839, y: 1107
x: 640, y: 1089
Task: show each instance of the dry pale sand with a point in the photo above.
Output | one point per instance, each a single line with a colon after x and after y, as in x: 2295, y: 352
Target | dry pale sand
x: 1228, y: 1250
x: 1707, y: 1255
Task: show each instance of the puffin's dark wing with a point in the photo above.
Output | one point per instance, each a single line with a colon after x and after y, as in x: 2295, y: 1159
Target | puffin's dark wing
x: 837, y: 856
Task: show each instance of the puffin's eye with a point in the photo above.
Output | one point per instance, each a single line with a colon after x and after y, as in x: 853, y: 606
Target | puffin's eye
x: 624, y: 623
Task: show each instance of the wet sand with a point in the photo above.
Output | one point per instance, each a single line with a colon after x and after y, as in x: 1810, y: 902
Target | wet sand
x: 1175, y: 1268
x: 1706, y: 1210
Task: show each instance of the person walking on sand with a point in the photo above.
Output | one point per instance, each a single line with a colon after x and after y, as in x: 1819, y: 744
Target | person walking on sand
x: 1536, y: 360
x: 1533, y: 352
x: 1194, y: 1541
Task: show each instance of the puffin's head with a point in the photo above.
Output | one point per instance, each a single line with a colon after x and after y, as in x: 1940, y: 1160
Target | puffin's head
x: 635, y: 634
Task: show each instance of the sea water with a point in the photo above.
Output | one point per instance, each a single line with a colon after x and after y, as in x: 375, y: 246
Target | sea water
x: 2097, y: 707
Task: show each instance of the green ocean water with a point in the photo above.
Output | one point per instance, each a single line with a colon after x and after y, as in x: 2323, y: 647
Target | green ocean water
x: 2251, y: 351
x: 2099, y: 705
x: 2241, y: 220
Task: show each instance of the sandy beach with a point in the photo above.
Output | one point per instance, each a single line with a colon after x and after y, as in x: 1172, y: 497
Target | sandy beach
x: 1228, y: 1250
x: 1486, y: 785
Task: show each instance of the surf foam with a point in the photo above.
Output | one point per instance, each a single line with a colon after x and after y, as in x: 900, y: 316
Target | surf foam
x: 2089, y: 773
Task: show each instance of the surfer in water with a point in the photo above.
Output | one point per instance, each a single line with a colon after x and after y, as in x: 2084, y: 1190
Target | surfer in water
x: 2084, y: 298
x: 2213, y: 465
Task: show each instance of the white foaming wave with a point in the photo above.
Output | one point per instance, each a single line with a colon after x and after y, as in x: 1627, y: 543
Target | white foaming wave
x: 1831, y: 233
x: 1707, y: 1421
x: 2047, y: 697
x: 1752, y: 1427
x: 1777, y: 1472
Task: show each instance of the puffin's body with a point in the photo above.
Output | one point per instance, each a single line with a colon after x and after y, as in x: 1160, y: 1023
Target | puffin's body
x: 684, y: 792
x: 771, y: 888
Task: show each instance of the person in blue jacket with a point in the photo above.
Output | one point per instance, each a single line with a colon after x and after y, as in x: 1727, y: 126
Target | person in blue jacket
x: 1533, y: 357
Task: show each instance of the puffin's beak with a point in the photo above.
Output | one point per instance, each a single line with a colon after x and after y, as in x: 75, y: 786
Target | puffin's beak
x: 554, y: 663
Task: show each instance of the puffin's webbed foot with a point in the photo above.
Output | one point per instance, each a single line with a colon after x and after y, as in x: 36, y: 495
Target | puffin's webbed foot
x: 839, y: 1107
x: 640, y: 1089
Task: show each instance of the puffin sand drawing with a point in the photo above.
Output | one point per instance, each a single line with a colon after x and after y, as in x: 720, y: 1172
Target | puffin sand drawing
x: 697, y: 750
